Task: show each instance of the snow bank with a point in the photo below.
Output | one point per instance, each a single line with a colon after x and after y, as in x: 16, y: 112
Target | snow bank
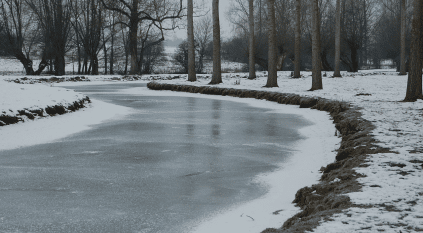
x: 14, y: 97
x: 25, y: 101
x: 46, y: 130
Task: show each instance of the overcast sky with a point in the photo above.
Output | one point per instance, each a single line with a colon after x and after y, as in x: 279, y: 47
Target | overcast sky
x: 225, y: 25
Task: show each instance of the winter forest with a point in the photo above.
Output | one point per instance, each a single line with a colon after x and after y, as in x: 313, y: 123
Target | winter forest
x: 128, y: 36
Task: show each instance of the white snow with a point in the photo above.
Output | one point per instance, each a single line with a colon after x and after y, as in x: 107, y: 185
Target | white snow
x: 14, y: 97
x: 50, y: 129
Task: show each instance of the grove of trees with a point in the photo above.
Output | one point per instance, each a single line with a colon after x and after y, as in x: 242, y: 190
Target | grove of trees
x: 272, y: 35
x: 370, y: 31
x: 52, y: 30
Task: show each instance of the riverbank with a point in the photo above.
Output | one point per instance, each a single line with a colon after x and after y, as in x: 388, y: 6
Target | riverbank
x: 375, y: 182
x: 20, y: 103
x: 35, y: 114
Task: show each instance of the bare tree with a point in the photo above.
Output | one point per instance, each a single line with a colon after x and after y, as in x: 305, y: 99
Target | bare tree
x: 272, y: 76
x: 393, y: 23
x: 414, y: 84
x: 297, y: 61
x: 19, y: 33
x: 251, y: 44
x: 356, y: 16
x: 284, y: 15
x: 54, y: 17
x: 137, y: 11
x: 403, y: 30
x: 337, y: 72
x: 316, y: 59
x: 203, y: 35
x: 88, y: 26
x: 191, y: 52
x: 217, y: 72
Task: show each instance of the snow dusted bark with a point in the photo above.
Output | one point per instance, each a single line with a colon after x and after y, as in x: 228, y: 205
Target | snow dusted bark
x: 414, y: 84
x: 316, y: 60
x: 297, y: 61
x: 403, y: 28
x: 191, y: 51
x: 338, y: 40
x: 217, y: 73
x: 252, y: 43
x: 272, y: 76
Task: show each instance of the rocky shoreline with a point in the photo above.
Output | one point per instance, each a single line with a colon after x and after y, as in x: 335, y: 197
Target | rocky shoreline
x: 321, y: 200
x: 34, y: 113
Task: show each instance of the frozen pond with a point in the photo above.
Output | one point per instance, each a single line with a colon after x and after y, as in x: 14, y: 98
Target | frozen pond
x: 170, y: 163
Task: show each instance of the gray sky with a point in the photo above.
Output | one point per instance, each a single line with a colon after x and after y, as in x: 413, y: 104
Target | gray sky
x: 225, y: 25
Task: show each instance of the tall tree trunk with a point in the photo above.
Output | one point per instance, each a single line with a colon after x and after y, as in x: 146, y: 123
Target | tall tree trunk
x: 59, y: 40
x: 297, y: 61
x: 79, y: 55
x: 94, y: 64
x: 85, y: 67
x: 26, y: 62
x: 125, y: 72
x: 105, y: 57
x: 217, y: 72
x: 191, y: 52
x: 105, y: 52
x: 337, y: 72
x: 112, y: 58
x: 316, y: 61
x: 272, y: 76
x: 112, y: 71
x: 325, y: 64
x: 403, y: 70
x: 251, y: 51
x: 133, y: 38
x: 414, y: 84
x: 59, y: 64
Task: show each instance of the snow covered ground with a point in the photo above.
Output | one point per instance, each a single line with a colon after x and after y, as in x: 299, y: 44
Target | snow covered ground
x: 14, y: 97
x: 391, y: 199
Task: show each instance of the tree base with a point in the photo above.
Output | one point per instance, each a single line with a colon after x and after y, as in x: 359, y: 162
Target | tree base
x: 412, y: 98
x: 214, y: 82
x: 270, y: 86
x: 315, y: 89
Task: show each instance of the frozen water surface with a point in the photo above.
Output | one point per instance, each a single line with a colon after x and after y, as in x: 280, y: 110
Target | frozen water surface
x: 172, y: 161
